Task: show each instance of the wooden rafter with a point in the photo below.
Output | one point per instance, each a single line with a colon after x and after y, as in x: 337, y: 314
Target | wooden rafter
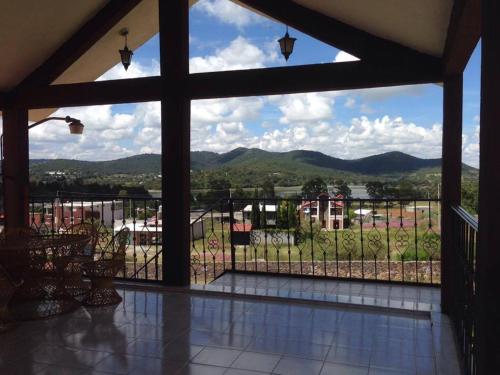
x: 79, y: 43
x: 463, y: 35
x: 252, y: 82
x: 337, y: 34
x: 306, y: 78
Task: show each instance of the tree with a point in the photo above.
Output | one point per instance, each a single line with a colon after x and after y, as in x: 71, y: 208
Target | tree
x: 406, y: 189
x: 341, y: 187
x: 314, y: 187
x: 219, y: 189
x: 268, y: 189
x: 287, y: 215
x: 470, y: 196
x: 375, y: 189
x: 255, y: 214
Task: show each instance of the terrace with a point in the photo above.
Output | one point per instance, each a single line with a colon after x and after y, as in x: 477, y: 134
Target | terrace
x: 410, y: 288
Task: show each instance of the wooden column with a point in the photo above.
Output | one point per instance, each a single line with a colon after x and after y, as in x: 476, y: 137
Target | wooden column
x: 451, y: 179
x: 488, y: 256
x: 15, y: 168
x: 175, y: 133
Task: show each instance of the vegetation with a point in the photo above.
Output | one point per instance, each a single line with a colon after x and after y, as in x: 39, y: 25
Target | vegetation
x: 249, y: 168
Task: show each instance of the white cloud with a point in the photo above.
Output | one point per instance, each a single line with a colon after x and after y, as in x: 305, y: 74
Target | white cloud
x: 228, y: 12
x: 309, y: 107
x: 350, y: 103
x: 102, y: 133
x: 240, y: 54
x: 135, y: 70
x: 470, y: 147
x: 344, y: 57
x: 363, y: 137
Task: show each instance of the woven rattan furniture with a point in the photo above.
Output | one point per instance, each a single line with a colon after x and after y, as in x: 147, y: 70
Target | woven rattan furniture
x: 7, y: 288
x: 102, y: 271
x: 39, y: 262
x: 73, y: 281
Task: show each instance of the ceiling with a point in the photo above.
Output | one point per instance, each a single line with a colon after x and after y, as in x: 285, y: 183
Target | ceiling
x: 32, y: 30
x: 419, y: 24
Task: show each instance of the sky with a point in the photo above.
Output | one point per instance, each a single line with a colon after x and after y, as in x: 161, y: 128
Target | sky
x: 224, y: 36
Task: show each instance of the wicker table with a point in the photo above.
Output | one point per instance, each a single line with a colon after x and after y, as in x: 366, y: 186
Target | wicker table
x: 40, y: 261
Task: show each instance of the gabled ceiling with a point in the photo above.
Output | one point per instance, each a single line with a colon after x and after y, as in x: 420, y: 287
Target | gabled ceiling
x: 419, y: 24
x: 32, y: 30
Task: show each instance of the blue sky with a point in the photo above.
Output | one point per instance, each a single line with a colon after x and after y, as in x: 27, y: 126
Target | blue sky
x: 224, y: 36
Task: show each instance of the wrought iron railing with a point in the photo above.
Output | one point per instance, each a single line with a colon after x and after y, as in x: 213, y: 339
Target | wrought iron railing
x: 210, y: 243
x: 109, y: 214
x: 465, y: 231
x: 367, y: 239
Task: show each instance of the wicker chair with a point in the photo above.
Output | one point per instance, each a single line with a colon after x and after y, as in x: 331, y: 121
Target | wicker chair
x: 7, y: 288
x: 19, y: 232
x: 73, y: 282
x: 102, y: 271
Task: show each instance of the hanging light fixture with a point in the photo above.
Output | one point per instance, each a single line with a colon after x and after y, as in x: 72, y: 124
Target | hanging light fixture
x: 286, y: 44
x: 125, y: 53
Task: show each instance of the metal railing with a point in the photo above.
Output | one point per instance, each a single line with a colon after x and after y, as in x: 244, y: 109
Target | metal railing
x: 465, y: 230
x: 365, y: 239
x: 109, y: 214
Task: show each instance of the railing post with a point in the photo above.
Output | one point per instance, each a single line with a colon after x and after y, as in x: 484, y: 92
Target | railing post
x: 231, y: 222
x: 451, y: 178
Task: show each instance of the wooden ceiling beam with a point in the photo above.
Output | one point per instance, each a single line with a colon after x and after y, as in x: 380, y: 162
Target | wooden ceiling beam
x: 306, y: 78
x: 79, y: 43
x: 118, y: 91
x: 336, y: 33
x: 252, y: 82
x: 463, y: 35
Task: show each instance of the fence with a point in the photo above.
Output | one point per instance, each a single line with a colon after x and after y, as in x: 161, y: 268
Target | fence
x: 141, y: 215
x: 465, y: 230
x: 390, y: 240
x: 367, y: 239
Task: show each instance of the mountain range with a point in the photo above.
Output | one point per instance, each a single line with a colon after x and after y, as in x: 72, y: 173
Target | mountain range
x: 251, y: 162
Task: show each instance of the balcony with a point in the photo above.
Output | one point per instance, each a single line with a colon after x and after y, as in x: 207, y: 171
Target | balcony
x: 345, y: 309
x: 155, y: 330
x: 231, y: 291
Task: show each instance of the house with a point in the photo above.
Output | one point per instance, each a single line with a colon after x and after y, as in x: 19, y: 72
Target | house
x: 269, y: 210
x: 63, y: 214
x: 149, y: 233
x: 326, y: 210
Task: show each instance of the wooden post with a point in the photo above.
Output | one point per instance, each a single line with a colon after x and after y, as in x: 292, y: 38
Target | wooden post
x: 15, y: 169
x: 175, y: 133
x: 488, y: 256
x: 451, y: 179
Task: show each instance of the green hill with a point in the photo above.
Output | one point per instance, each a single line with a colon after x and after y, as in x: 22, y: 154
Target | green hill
x: 245, y: 167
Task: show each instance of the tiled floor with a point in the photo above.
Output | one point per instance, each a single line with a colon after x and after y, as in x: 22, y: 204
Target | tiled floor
x: 387, y: 296
x: 158, y: 332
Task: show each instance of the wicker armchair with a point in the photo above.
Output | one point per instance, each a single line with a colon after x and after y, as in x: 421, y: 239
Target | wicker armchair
x: 73, y: 282
x: 7, y: 288
x: 101, y: 272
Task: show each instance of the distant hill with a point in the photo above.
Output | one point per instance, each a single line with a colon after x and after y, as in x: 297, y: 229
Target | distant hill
x: 248, y: 163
